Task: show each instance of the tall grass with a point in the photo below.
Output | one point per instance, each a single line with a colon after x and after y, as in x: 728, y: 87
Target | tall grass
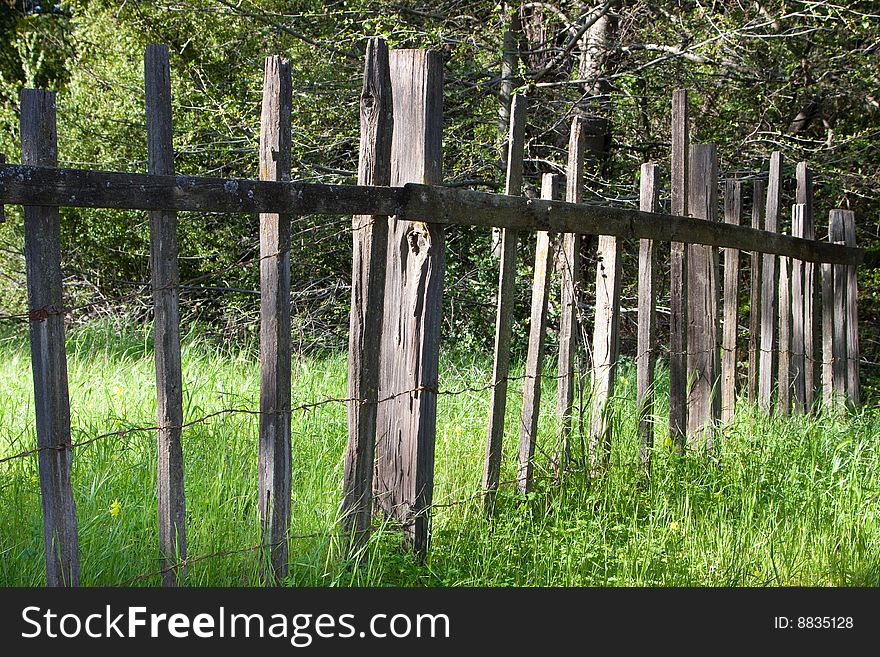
x: 778, y: 502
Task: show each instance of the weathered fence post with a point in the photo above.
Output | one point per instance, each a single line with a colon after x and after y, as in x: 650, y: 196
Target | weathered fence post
x: 535, y: 356
x: 370, y: 248
x: 570, y: 266
x: 702, y: 343
x: 767, y: 359
x: 755, y: 292
x: 166, y: 322
x: 828, y: 333
x: 646, y: 350
x: 837, y: 235
x: 605, y: 348
x: 804, y: 196
x: 2, y: 213
x: 406, y: 424
x: 678, y: 276
x: 798, y: 325
x: 504, y: 314
x: 274, y: 449
x: 852, y: 314
x: 42, y: 248
x: 783, y: 401
x: 732, y: 211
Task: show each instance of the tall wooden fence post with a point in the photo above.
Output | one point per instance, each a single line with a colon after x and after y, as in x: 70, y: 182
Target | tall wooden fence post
x: 42, y: 247
x: 837, y: 235
x: 767, y: 359
x: 370, y: 248
x: 166, y: 322
x: 274, y: 449
x: 732, y: 211
x: 570, y: 267
x: 406, y: 424
x: 783, y: 400
x: 812, y: 329
x: 798, y: 325
x: 755, y: 292
x: 702, y: 344
x: 646, y: 351
x: 678, y: 276
x: 853, y: 388
x: 504, y: 314
x: 535, y: 357
x: 828, y: 333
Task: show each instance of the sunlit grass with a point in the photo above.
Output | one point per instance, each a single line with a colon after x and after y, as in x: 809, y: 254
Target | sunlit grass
x: 778, y: 502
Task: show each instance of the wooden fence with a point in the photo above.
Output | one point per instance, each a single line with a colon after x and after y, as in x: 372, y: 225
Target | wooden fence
x: 400, y: 210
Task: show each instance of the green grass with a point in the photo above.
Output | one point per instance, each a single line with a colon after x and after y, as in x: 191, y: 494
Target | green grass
x: 778, y: 502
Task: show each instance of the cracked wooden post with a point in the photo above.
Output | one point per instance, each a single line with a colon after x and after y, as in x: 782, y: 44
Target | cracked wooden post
x: 767, y: 358
x: 370, y: 248
x: 406, y: 423
x: 732, y: 210
x: 798, y: 323
x: 812, y: 326
x: 166, y: 322
x: 274, y: 447
x: 702, y: 344
x: 853, y: 387
x: 678, y: 274
x: 783, y: 397
x: 570, y: 270
x: 504, y: 314
x: 646, y: 351
x: 755, y: 292
x: 837, y: 235
x: 42, y: 249
x: 535, y: 357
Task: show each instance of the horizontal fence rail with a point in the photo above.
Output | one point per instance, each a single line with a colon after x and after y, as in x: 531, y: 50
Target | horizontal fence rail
x: 136, y: 191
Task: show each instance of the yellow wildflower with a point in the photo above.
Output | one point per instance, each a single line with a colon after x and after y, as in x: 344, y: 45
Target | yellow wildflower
x: 118, y: 391
x: 673, y: 527
x: 718, y: 494
x: 115, y: 508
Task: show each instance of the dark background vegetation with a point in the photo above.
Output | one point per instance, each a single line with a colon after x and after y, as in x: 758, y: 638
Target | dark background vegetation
x: 800, y: 77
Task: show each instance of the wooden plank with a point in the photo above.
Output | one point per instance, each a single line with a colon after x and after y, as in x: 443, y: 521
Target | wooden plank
x: 732, y: 211
x: 769, y: 282
x: 755, y: 291
x: 798, y: 378
x: 2, y: 213
x: 827, y: 336
x: 77, y: 188
x: 702, y: 344
x: 804, y: 196
x: 606, y: 332
x: 274, y: 456
x: 702, y: 307
x: 535, y: 356
x: 678, y: 275
x: 370, y: 247
x: 571, y: 285
x: 646, y: 350
x: 783, y: 400
x: 166, y: 322
x: 42, y: 249
x: 853, y: 390
x: 404, y: 481
x: 837, y: 233
x: 504, y: 314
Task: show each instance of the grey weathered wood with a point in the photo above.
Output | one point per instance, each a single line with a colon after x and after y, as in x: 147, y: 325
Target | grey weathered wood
x: 504, y: 314
x: 605, y: 348
x: 370, y: 248
x: 646, y: 350
x: 78, y: 188
x: 535, y: 356
x: 769, y: 282
x: 678, y: 274
x: 274, y: 458
x: 853, y: 389
x: 702, y: 344
x: 732, y: 211
x: 827, y: 336
x: 166, y: 322
x: 2, y: 213
x: 42, y: 248
x: 783, y: 400
x: 837, y: 233
x: 570, y: 269
x: 755, y: 292
x: 798, y: 378
x: 404, y: 482
x: 804, y: 196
